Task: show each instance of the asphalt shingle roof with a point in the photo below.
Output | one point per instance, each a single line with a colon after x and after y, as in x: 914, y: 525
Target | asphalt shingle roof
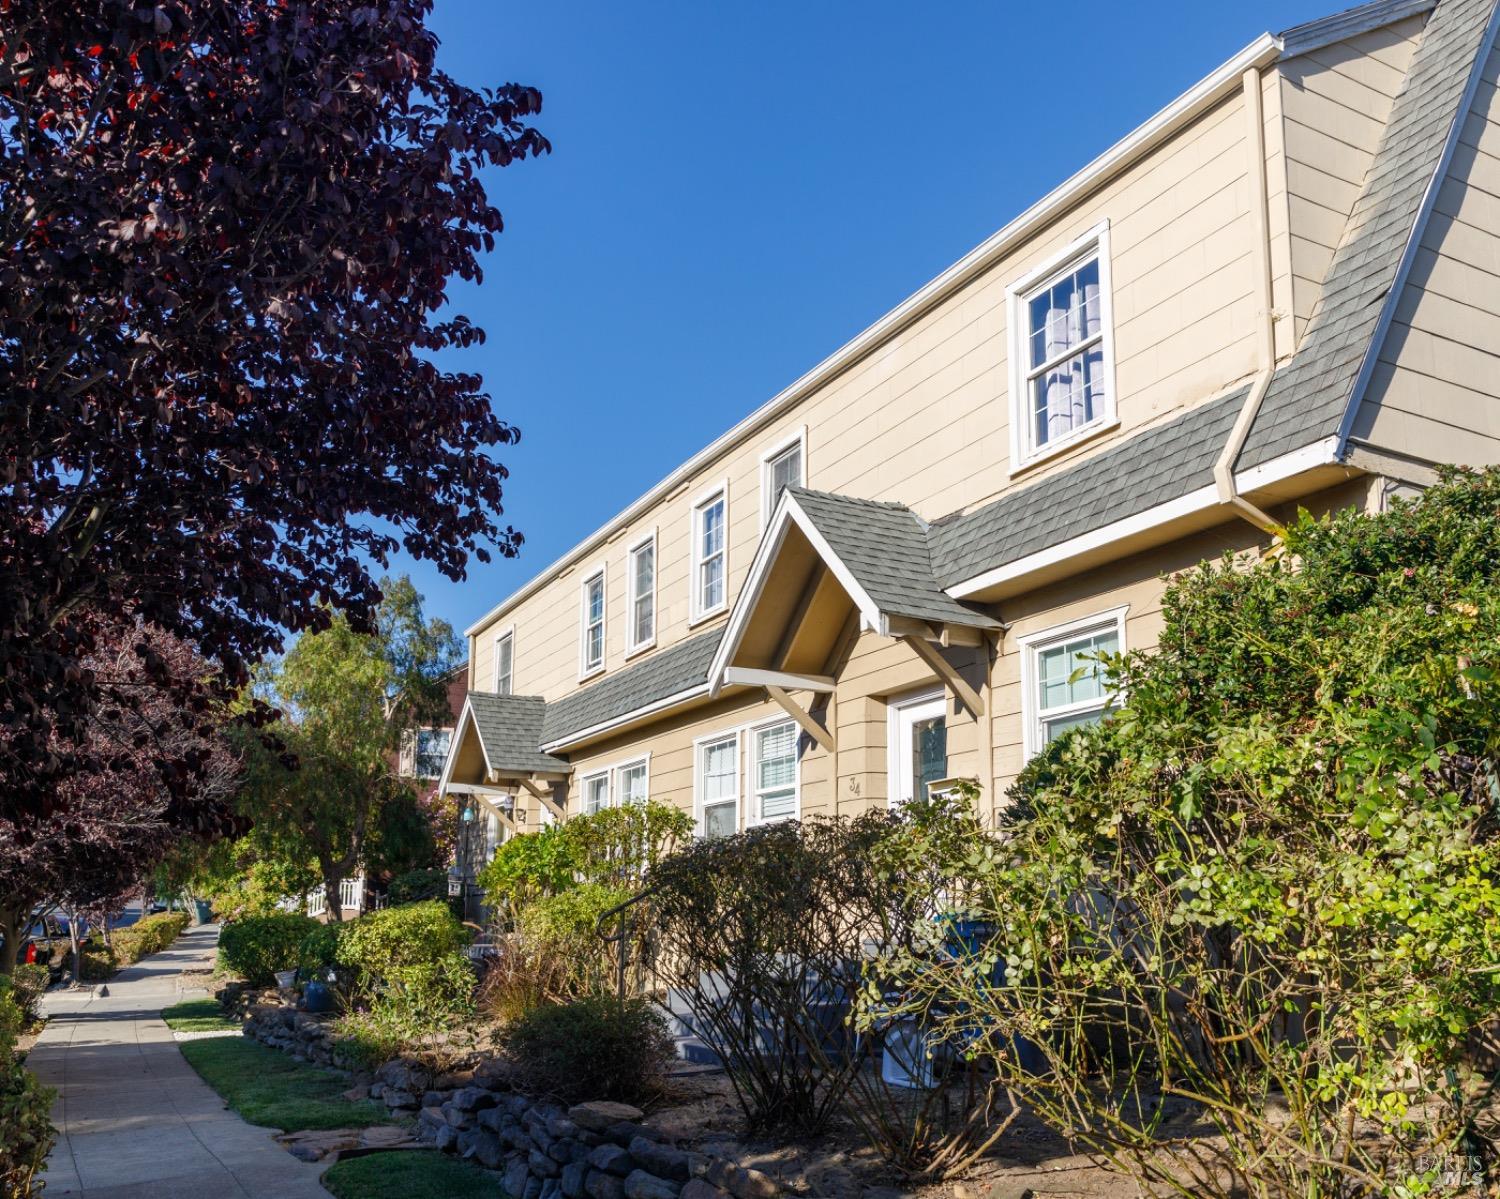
x: 885, y: 547
x: 662, y: 673
x: 510, y: 728
x: 1307, y: 399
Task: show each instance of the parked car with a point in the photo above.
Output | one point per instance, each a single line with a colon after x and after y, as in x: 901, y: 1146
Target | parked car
x: 46, y: 941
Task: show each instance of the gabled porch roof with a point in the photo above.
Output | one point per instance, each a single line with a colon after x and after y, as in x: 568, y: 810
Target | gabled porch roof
x: 828, y: 564
x: 495, y: 747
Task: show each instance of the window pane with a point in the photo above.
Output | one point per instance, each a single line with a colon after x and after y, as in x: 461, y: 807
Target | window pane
x: 503, y: 649
x: 1065, y: 314
x: 1061, y: 724
x: 712, y: 528
x: 633, y: 784
x: 642, y: 590
x: 596, y: 793
x: 719, y: 820
x: 776, y: 756
x: 596, y: 599
x: 929, y: 753
x: 720, y: 770
x: 1056, y: 665
x: 786, y: 471
x: 432, y: 752
x: 595, y: 653
x: 774, y: 804
x: 645, y: 567
x: 713, y: 583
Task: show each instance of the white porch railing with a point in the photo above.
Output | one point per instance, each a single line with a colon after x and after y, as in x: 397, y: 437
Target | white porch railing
x: 351, y: 897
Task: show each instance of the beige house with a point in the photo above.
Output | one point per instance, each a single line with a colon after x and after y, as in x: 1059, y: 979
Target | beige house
x: 1282, y: 290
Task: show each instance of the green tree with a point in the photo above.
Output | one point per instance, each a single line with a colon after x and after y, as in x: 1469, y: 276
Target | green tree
x: 346, y: 697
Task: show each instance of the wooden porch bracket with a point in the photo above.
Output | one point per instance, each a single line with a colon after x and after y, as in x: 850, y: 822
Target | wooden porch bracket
x: 944, y: 669
x: 750, y: 677
x: 804, y: 718
x: 544, y: 793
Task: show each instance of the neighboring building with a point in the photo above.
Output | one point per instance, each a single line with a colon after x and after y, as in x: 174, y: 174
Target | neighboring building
x: 1282, y: 290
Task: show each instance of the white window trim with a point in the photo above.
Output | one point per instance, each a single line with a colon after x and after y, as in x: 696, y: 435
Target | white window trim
x: 616, y: 795
x: 583, y: 789
x: 508, y: 631
x: 598, y: 571
x: 632, y: 647
x: 1023, y: 454
x: 737, y: 735
x: 416, y: 745
x: 750, y: 798
x: 797, y: 437
x: 893, y: 709
x: 699, y: 614
x: 1033, y: 643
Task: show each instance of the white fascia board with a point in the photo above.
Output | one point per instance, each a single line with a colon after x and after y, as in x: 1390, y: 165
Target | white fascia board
x: 1204, y: 498
x: 465, y: 718
x: 1140, y: 141
x: 1314, y: 35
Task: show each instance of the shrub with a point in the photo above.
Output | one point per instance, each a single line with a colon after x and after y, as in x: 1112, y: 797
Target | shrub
x: 593, y: 1048
x: 26, y: 1134
x: 563, y: 928
x: 416, y: 885
x: 1263, y: 895
x: 321, y: 945
x: 257, y: 947
x: 409, y: 964
x: 148, y: 935
x: 27, y: 984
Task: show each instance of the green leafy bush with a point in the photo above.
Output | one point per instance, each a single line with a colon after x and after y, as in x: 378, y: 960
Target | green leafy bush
x: 409, y: 963
x: 27, y: 984
x: 321, y: 945
x: 256, y: 947
x: 26, y: 1133
x: 594, y: 1048
x: 564, y: 928
x: 148, y: 935
x: 1264, y: 896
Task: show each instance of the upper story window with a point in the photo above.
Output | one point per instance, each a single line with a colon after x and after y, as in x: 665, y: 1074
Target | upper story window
x: 505, y: 655
x: 591, y: 649
x: 596, y: 792
x: 641, y: 604
x: 1062, y: 372
x: 1064, y: 684
x: 774, y: 771
x: 710, y: 553
x: 783, y: 465
x: 431, y: 752
x: 718, y: 786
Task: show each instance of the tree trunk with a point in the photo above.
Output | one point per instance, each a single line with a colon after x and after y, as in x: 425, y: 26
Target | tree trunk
x: 13, y: 929
x: 332, y: 879
x: 77, y: 950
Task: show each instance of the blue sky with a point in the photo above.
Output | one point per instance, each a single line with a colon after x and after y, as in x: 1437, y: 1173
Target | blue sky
x: 736, y: 190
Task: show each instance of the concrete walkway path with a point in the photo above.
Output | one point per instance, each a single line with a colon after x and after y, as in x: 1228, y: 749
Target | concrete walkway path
x: 134, y: 1120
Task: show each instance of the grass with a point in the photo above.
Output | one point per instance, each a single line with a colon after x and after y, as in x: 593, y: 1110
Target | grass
x: 199, y: 1015
x: 410, y: 1175
x: 270, y: 1089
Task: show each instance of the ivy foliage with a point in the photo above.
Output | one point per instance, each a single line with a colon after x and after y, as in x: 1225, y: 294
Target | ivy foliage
x: 1264, y: 893
x: 26, y: 1132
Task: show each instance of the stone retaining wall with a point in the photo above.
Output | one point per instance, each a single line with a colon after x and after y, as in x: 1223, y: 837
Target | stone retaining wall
x: 544, y: 1151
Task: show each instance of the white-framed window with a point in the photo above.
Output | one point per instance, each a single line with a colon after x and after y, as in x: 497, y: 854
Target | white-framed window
x: 710, y: 579
x: 595, y: 792
x: 716, y: 771
x: 505, y: 661
x: 431, y: 752
x: 1061, y: 350
x: 491, y: 835
x: 633, y: 782
x: 1062, y: 680
x: 591, y: 624
x: 774, y: 771
x: 783, y: 465
x: 917, y: 746
x: 640, y: 604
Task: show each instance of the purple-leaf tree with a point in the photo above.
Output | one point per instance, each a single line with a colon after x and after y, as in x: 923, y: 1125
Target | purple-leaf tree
x: 228, y: 230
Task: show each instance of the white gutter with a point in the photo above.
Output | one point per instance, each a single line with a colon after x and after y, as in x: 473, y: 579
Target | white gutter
x: 1265, y: 333
x: 1192, y: 103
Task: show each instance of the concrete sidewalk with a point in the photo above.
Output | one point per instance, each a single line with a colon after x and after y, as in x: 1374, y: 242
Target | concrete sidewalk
x: 134, y: 1120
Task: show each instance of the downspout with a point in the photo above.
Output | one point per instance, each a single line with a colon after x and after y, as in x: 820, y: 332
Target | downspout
x: 1265, y: 314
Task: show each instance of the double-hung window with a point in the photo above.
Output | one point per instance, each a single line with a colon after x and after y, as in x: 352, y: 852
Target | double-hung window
x: 504, y: 662
x: 774, y: 771
x: 432, y: 752
x: 641, y: 603
x: 718, y: 769
x: 1065, y: 684
x: 782, y: 466
x: 710, y: 553
x: 1062, y: 369
x: 631, y: 782
x: 595, y: 792
x: 591, y: 649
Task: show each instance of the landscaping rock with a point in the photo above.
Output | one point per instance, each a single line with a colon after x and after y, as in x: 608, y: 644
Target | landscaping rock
x: 397, y: 1098
x: 561, y: 1152
x: 356, y: 1094
x: 571, y: 1179
x: 446, y: 1138
x: 641, y: 1185
x: 622, y: 1132
x: 600, y: 1185
x: 612, y: 1159
x: 533, y: 1189
x: 516, y: 1177
x: 551, y: 1189
x: 306, y: 1153
x: 434, y: 1098
x: 560, y: 1126
x: 601, y: 1114
x: 542, y: 1165
x: 743, y: 1183
x: 493, y: 1119
x: 473, y: 1099
x: 661, y: 1160
x: 698, y: 1189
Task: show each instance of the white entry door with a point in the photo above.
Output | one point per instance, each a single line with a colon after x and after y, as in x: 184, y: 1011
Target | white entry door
x: 918, y: 747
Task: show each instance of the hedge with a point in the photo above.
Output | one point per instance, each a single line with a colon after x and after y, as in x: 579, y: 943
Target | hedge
x: 26, y: 1134
x: 257, y: 947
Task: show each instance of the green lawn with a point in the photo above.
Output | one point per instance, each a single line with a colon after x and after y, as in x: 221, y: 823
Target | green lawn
x: 270, y: 1089
x: 199, y: 1015
x: 413, y: 1174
